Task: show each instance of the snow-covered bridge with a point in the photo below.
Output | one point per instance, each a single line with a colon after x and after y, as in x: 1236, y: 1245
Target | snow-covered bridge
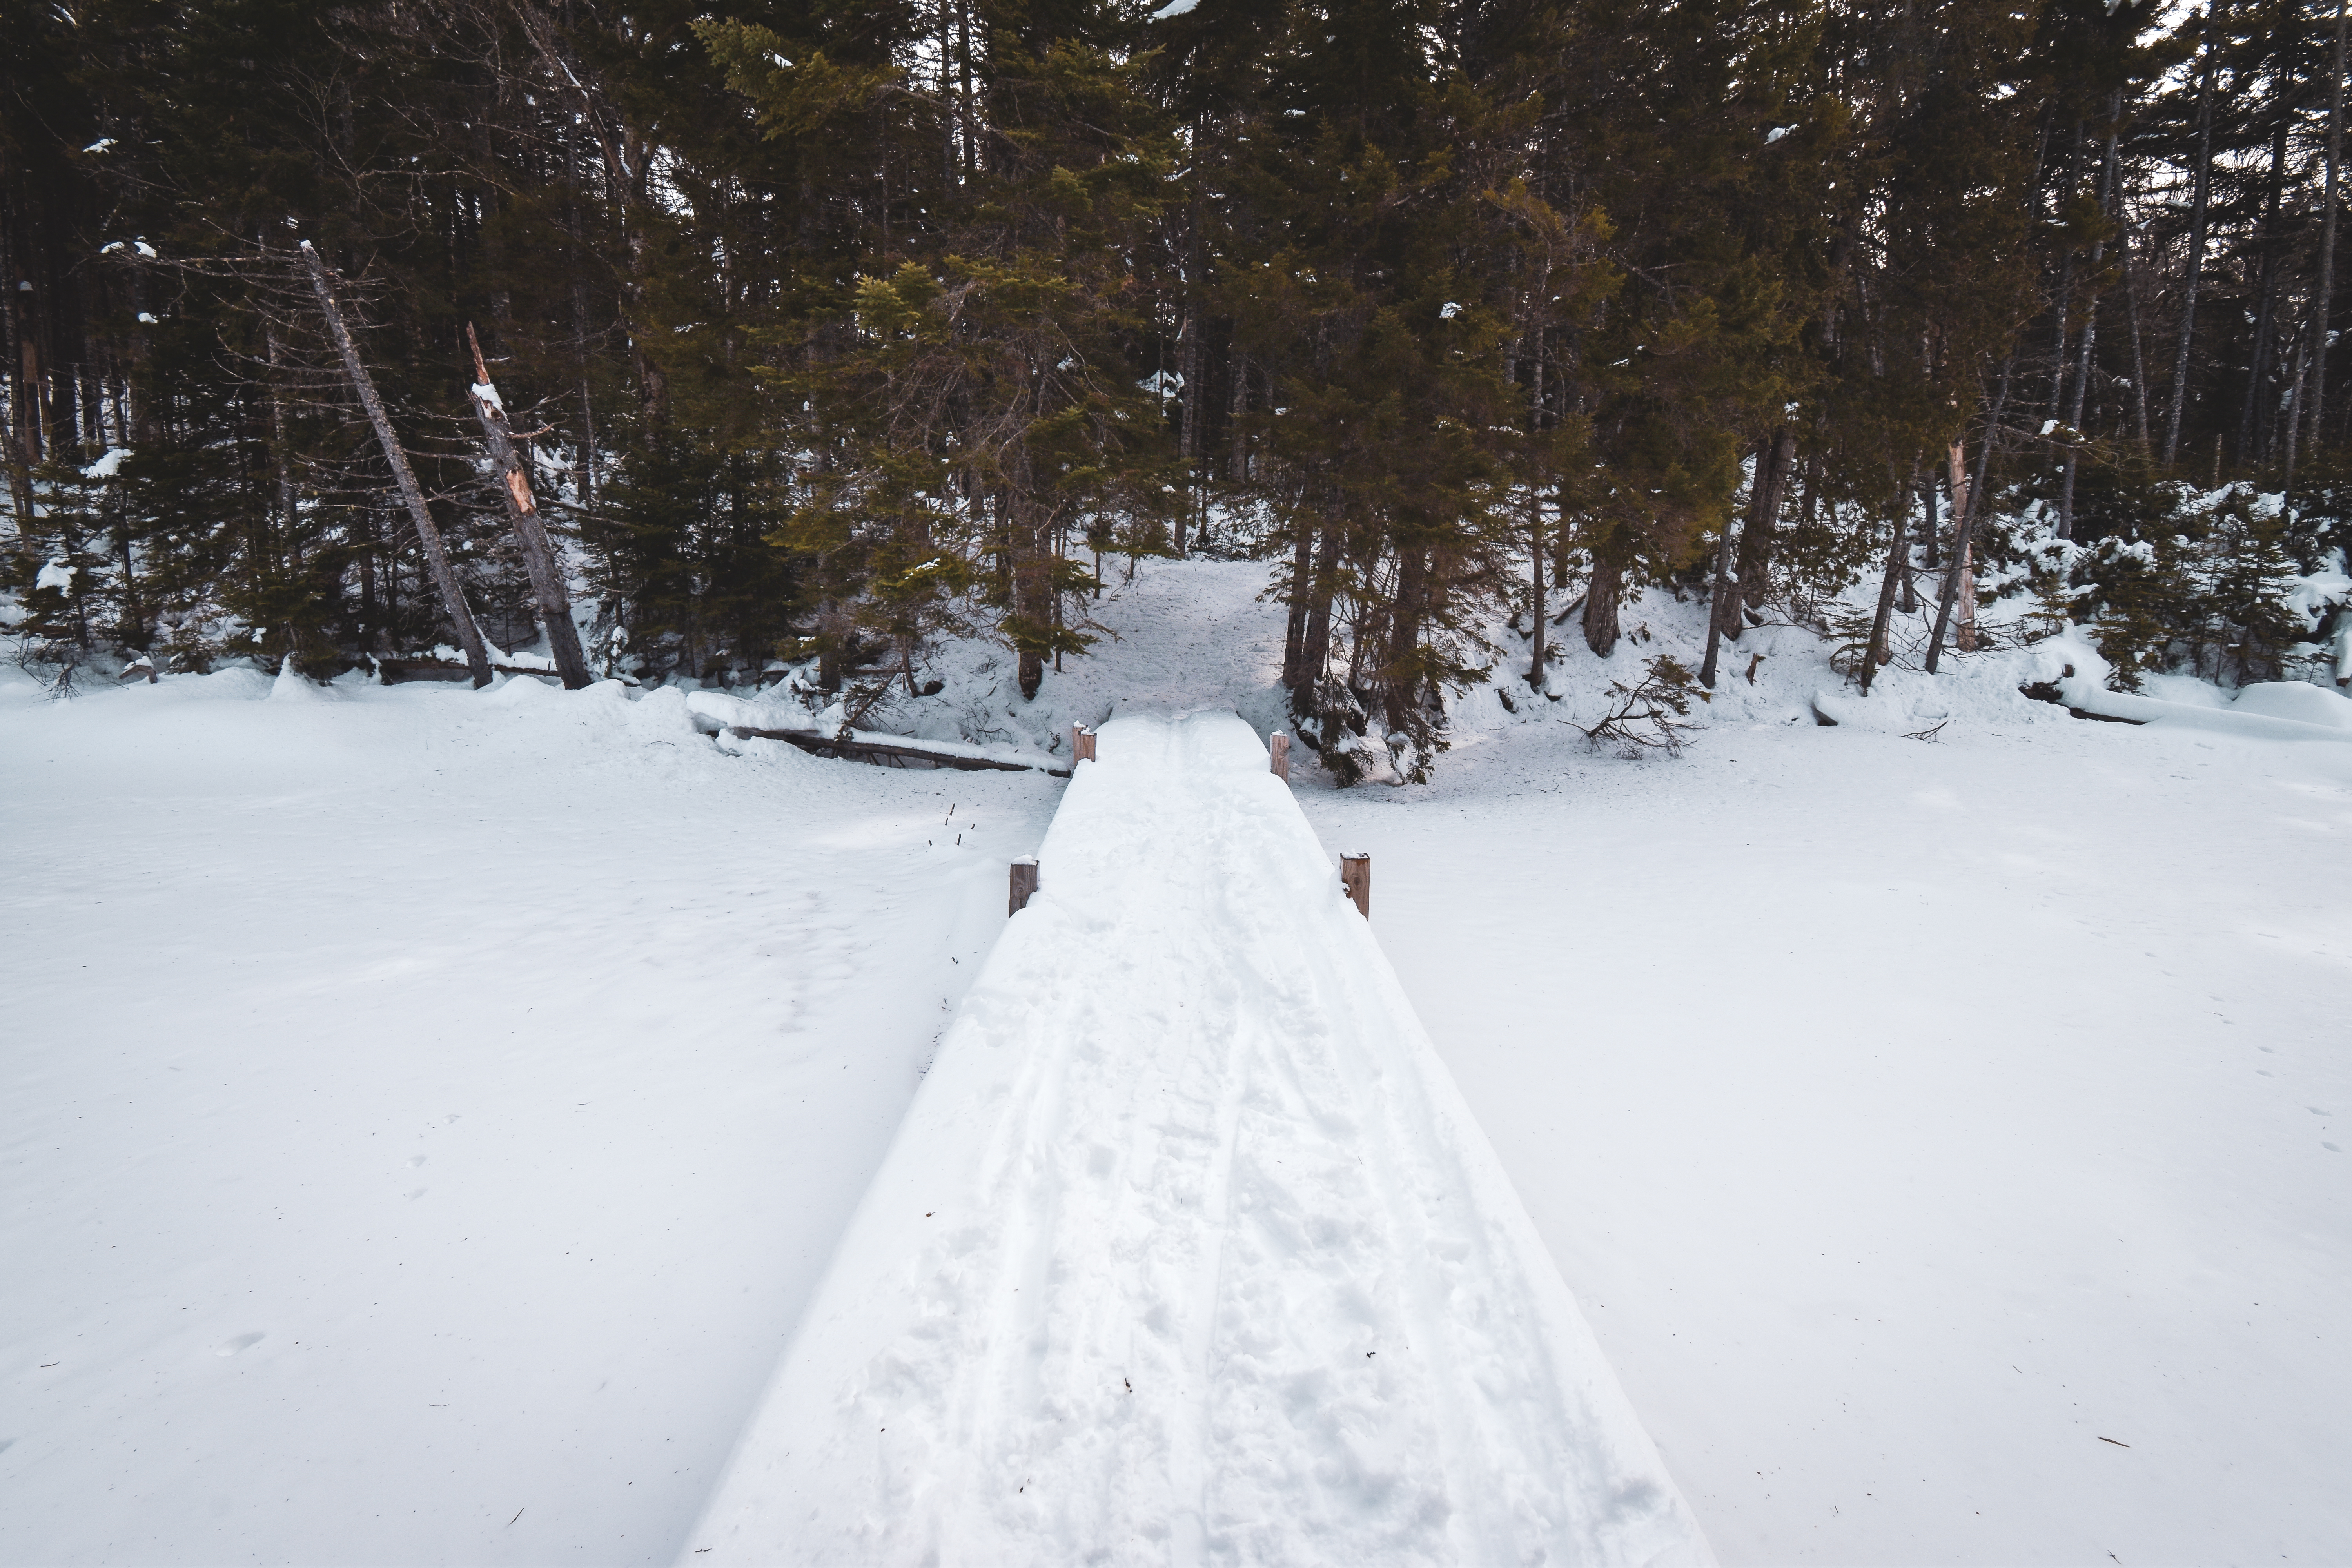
x: 1188, y: 1250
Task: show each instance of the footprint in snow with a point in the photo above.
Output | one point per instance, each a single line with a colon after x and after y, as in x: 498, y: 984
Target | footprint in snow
x: 239, y: 1345
x: 417, y: 1193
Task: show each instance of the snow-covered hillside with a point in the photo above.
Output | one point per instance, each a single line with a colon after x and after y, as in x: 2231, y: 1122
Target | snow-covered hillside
x: 426, y: 1113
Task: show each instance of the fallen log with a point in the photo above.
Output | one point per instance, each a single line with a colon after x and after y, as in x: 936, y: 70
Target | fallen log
x: 889, y: 754
x: 397, y: 672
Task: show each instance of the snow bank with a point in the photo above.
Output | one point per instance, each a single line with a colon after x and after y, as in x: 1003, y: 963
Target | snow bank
x: 2296, y: 701
x: 1189, y: 1247
x: 2274, y: 714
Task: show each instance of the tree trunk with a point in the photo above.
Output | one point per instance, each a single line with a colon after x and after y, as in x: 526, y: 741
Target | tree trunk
x: 2196, y: 208
x: 1720, y: 598
x: 547, y: 582
x: 1236, y: 417
x: 1400, y: 670
x: 1600, y: 600
x: 1032, y: 589
x: 1898, y: 556
x: 1755, y: 543
x: 1302, y: 588
x: 2140, y: 358
x: 1536, y: 549
x: 1964, y: 514
x: 436, y: 558
x: 2249, y: 432
x: 1314, y: 650
x: 2063, y: 298
x: 1955, y: 464
x: 2324, y: 307
x: 2088, y: 351
x: 1189, y: 437
x: 19, y: 438
x: 828, y: 648
x: 1774, y: 462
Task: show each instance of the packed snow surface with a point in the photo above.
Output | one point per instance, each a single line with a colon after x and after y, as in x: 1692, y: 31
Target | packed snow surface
x: 1188, y: 1250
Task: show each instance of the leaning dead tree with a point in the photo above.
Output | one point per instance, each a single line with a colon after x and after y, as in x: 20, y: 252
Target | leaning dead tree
x: 530, y: 533
x: 436, y: 557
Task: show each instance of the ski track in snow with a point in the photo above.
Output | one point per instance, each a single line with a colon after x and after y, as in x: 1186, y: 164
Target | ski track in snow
x: 1187, y: 1251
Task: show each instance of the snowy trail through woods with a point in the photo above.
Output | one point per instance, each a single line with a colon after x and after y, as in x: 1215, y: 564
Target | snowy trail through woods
x: 1188, y: 1250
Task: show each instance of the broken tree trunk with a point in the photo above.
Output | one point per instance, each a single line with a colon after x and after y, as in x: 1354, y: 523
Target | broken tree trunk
x: 522, y: 509
x: 436, y: 558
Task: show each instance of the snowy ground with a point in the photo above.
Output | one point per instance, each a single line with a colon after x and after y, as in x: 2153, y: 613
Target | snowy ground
x: 1908, y: 1118
x: 423, y: 1114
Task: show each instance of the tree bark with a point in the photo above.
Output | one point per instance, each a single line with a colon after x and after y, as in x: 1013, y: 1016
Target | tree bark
x: 436, y: 558
x: 546, y: 584
x: 1601, y: 601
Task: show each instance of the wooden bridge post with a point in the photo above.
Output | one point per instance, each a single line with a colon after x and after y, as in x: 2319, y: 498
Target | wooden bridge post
x: 1082, y: 744
x: 1024, y: 883
x: 1277, y: 750
x: 1356, y: 879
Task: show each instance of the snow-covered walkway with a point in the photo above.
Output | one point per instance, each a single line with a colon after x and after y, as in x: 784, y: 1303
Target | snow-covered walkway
x: 1188, y: 1249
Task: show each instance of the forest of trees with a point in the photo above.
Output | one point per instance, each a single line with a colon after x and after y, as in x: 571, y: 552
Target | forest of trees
x: 824, y: 331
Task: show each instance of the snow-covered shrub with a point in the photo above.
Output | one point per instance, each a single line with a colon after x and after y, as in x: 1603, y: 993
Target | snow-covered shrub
x: 2166, y: 579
